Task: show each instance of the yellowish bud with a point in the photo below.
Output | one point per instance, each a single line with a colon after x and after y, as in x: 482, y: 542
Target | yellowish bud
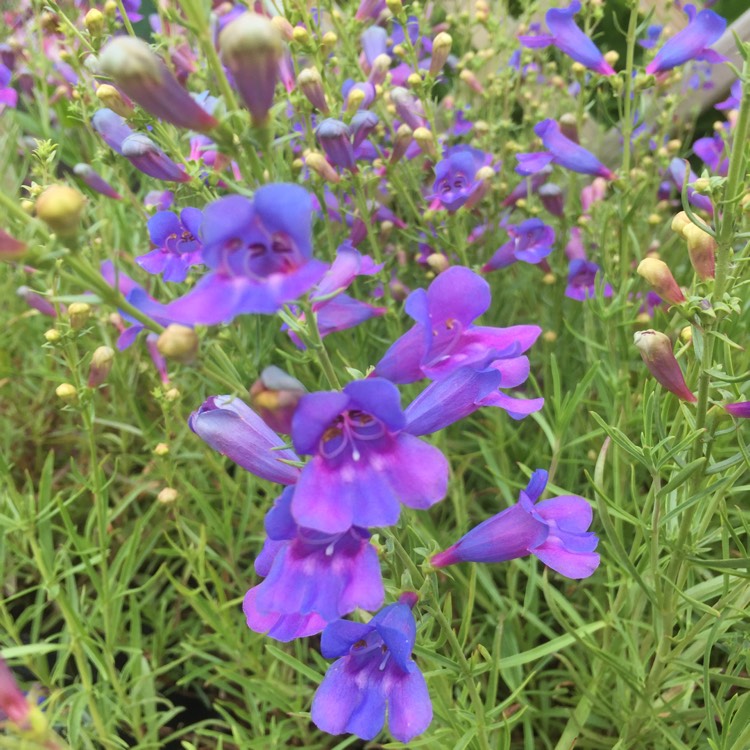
x: 167, y: 496
x: 550, y: 337
x: 172, y: 394
x: 101, y: 365
x: 66, y: 392
x: 112, y: 99
x: 438, y: 262
x: 549, y: 279
x: 320, y: 165
x: 300, y: 35
x: 94, y: 22
x: 52, y: 335
x: 78, y: 315
x: 178, y: 342
x: 60, y: 207
x: 657, y: 273
x: 162, y: 449
x: 680, y: 221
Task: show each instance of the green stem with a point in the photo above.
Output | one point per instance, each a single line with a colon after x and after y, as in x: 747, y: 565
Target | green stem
x: 318, y: 347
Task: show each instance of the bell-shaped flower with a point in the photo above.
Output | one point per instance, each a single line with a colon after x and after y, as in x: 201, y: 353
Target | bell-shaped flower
x: 531, y: 242
x: 177, y: 242
x: 374, y: 675
x: 444, y: 337
x: 233, y: 429
x: 146, y: 156
x: 259, y: 252
x: 310, y: 573
x: 456, y: 177
x: 692, y: 43
x: 561, y: 151
x: 335, y: 138
x: 568, y: 38
x: 555, y: 530
x: 363, y: 463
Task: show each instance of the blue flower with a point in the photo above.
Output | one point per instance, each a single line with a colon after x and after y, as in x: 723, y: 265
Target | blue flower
x: 692, y: 43
x: 531, y: 241
x: 373, y: 675
x: 456, y: 177
x: 177, y: 244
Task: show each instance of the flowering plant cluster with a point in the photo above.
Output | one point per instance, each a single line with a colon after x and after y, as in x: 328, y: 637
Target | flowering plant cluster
x: 387, y: 260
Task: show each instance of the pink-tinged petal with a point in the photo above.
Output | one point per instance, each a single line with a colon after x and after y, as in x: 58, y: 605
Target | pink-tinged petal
x: 514, y: 372
x: 570, y: 564
x: 409, y: 707
x: 10, y: 247
x: 517, y: 408
x: 281, y: 627
x: 232, y: 428
x: 13, y: 703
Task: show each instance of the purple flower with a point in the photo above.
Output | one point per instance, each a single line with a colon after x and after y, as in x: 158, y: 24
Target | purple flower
x: 692, y: 43
x: 561, y: 151
x: 374, y: 674
x: 311, y: 573
x: 582, y: 275
x: 734, y: 98
x: 530, y: 241
x: 568, y: 38
x: 739, y: 409
x: 177, y: 244
x: 95, y: 181
x: 335, y: 139
x: 260, y: 254
x: 8, y: 95
x: 233, y: 429
x: 444, y: 337
x: 653, y: 32
x: 456, y: 176
x: 554, y: 530
x: 711, y: 151
x: 676, y: 172
x: 364, y: 465
x: 145, y: 155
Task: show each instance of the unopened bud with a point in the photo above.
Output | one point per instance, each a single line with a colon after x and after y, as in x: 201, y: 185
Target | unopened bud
x: 438, y: 262
x: 310, y: 84
x: 94, y: 22
x: 10, y: 247
x: 612, y: 56
x: 52, y: 335
x: 167, y: 496
x: 380, y: 67
x: 66, y: 392
x: 657, y: 273
x: 425, y: 140
x: 300, y: 35
x: 101, y: 365
x: 60, y: 207
x: 329, y: 41
x: 172, y: 394
x: 162, y: 449
x: 322, y: 167
x: 549, y: 337
x: 702, y: 251
x: 275, y: 396
x: 178, y: 342
x: 113, y: 99
x: 441, y: 48
x: 471, y: 81
x: 569, y: 126
x: 402, y: 140
x: 251, y: 48
x: 395, y: 6
x: 680, y: 221
x: 78, y: 315
x: 656, y: 352
x: 686, y: 334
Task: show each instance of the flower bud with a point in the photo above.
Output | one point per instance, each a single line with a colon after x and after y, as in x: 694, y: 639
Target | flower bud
x: 362, y: 124
x: 146, y: 156
x: 395, y: 6
x: 425, y: 140
x: 101, y: 365
x: 10, y: 247
x: 679, y: 222
x: 60, y: 207
x: 552, y: 198
x: 162, y: 449
x: 702, y: 251
x: 178, y: 342
x: 408, y: 107
x: 66, y: 392
x: 145, y: 78
x: 438, y: 262
x: 95, y: 181
x: 468, y: 77
x: 167, y: 496
x: 320, y: 165
x: 111, y: 98
x: 569, y: 127
x: 310, y: 84
x: 52, y: 335
x: 275, y: 396
x: 657, y: 273
x: 380, y: 67
x: 94, y: 22
x: 335, y: 139
x: 401, y: 142
x: 328, y: 41
x: 251, y: 48
x: 13, y: 703
x: 441, y: 48
x: 36, y: 301
x: 78, y: 315
x: 656, y: 352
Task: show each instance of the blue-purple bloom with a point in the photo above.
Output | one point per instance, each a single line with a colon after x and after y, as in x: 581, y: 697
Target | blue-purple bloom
x: 363, y: 463
x: 335, y: 139
x: 692, y: 43
x: 310, y: 573
x: 677, y: 172
x: 177, y: 244
x: 259, y: 252
x: 531, y: 242
x: 456, y: 180
x: 555, y: 530
x: 582, y: 275
x: 568, y: 38
x: 444, y: 337
x: 8, y: 95
x: 95, y: 181
x: 561, y: 151
x: 374, y: 675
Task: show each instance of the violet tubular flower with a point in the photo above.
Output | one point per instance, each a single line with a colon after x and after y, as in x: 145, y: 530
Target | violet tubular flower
x: 531, y: 242
x: 364, y: 464
x: 373, y: 676
x: 259, y: 252
x: 177, y: 244
x: 456, y: 180
x: 444, y: 337
x: 554, y: 530
x: 311, y: 577
x: 568, y: 38
x: 692, y: 43
x: 561, y: 151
